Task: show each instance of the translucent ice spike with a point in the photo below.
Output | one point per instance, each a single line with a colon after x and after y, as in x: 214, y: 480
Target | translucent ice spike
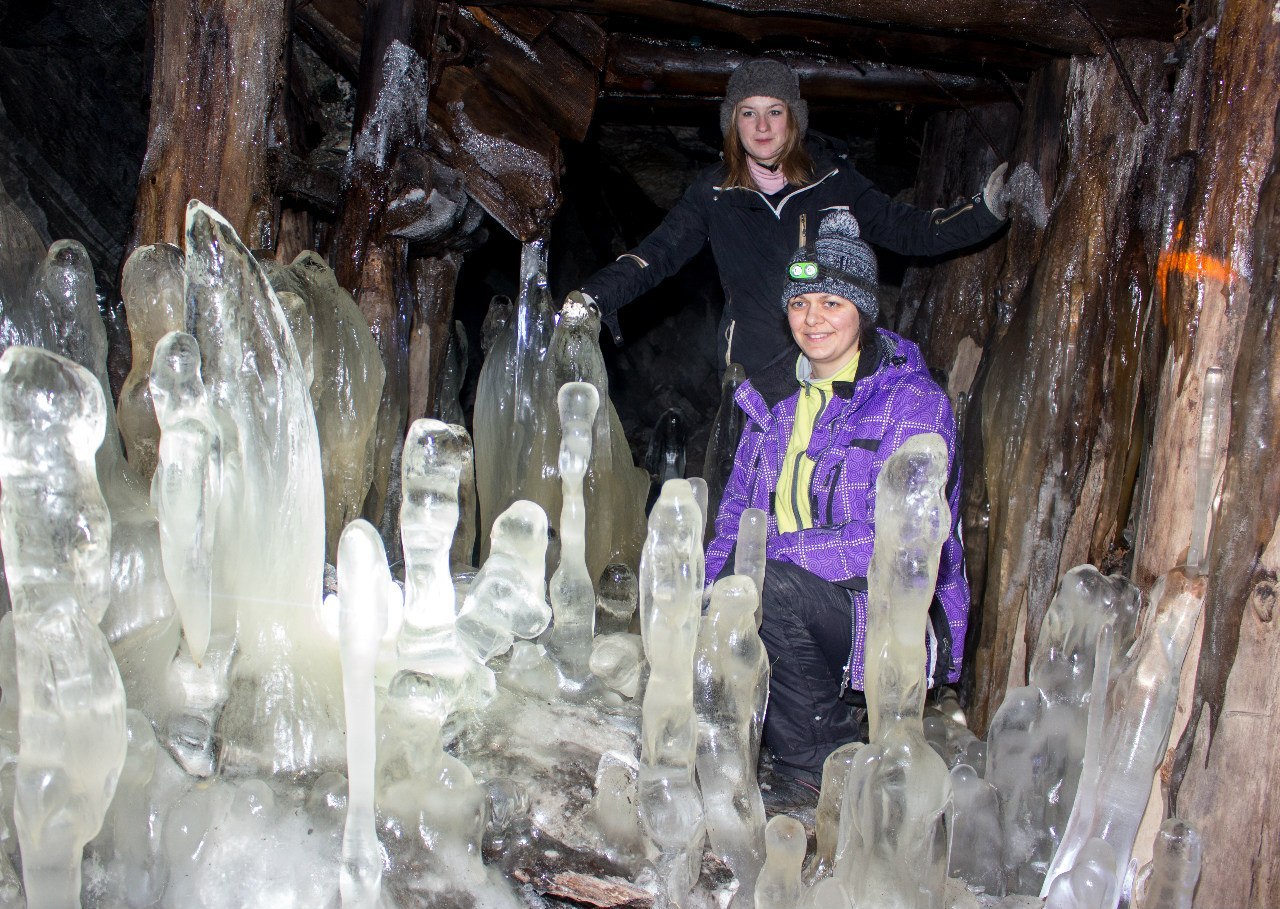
x: 974, y: 829
x: 731, y: 688
x: 345, y: 388
x: 55, y: 533
x: 503, y: 420
x: 699, y: 487
x: 508, y: 598
x: 722, y: 442
x: 835, y: 773
x: 573, y: 599
x: 616, y: 598
x: 1175, y: 867
x: 1090, y: 883
x: 894, y: 852
x: 434, y: 454
x: 1110, y: 803
x: 152, y: 287
x: 270, y: 559
x: 778, y: 886
x: 1206, y: 457
x: 187, y: 485
x: 53, y: 520
x: 1036, y: 806
x: 618, y: 660
x: 912, y: 520
x: 749, y: 559
x: 671, y: 573
x: 365, y: 589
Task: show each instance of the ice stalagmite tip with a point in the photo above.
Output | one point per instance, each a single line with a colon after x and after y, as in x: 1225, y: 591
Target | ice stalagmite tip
x: 365, y: 589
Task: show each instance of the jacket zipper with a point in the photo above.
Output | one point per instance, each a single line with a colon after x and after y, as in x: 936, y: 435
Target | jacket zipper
x: 777, y: 212
x: 846, y: 678
x: 831, y: 492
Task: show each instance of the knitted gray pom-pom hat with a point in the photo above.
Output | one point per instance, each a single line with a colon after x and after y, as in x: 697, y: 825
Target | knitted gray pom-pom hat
x: 769, y: 79
x: 844, y: 265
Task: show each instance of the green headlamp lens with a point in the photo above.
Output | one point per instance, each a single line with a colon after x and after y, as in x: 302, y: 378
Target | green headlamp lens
x: 803, y: 271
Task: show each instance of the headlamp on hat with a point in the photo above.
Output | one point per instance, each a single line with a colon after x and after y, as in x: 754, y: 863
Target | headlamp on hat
x: 803, y: 271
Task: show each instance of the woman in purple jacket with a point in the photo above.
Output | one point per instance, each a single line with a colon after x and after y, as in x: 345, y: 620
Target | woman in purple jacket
x: 819, y: 429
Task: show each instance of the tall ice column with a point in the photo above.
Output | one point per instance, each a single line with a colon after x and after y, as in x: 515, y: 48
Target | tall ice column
x: 365, y: 592
x: 895, y: 849
x: 55, y: 531
x: 573, y: 599
x: 731, y: 688
x: 671, y: 573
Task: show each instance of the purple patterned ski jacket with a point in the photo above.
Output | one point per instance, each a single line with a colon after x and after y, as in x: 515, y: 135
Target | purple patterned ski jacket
x: 891, y: 398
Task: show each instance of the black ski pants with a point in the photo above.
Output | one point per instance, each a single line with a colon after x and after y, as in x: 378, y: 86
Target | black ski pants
x: 808, y: 632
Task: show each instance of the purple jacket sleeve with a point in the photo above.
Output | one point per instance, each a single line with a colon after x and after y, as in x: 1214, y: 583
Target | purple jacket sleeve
x: 734, y: 500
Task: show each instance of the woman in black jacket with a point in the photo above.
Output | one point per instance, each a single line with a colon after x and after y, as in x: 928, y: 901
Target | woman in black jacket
x: 762, y: 202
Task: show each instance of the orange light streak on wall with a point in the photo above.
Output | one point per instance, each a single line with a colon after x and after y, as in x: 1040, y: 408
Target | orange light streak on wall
x: 1196, y: 265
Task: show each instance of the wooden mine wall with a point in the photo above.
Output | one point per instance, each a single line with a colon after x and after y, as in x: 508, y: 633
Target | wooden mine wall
x: 1077, y: 353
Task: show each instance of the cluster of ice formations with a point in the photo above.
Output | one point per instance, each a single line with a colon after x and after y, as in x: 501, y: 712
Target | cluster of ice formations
x: 187, y: 722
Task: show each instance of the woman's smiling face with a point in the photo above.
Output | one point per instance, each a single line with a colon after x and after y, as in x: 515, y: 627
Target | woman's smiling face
x: 763, y: 125
x: 826, y: 328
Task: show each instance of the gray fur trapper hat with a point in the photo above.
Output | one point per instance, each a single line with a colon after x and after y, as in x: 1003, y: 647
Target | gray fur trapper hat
x: 769, y: 79
x: 837, y: 262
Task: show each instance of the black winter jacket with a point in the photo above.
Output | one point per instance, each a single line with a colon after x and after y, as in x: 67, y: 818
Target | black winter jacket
x: 753, y: 237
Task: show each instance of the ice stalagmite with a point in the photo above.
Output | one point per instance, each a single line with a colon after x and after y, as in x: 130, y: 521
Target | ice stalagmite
x: 835, y: 773
x: 434, y: 455
x: 432, y: 809
x: 345, y: 388
x: 1132, y: 742
x: 55, y: 531
x: 1175, y: 867
x: 974, y: 824
x: 152, y: 286
x: 617, y: 660
x: 749, y: 555
x: 895, y: 844
x: 731, y: 688
x: 60, y: 313
x: 574, y: 355
x: 573, y: 599
x: 671, y: 574
x: 187, y: 489
x: 722, y: 443
x: 664, y: 459
x: 616, y: 595
x: 365, y: 592
x: 126, y: 859
x: 1090, y: 883
x: 508, y: 598
x: 778, y: 885
x: 503, y: 422
x: 284, y: 709
x: 1049, y: 719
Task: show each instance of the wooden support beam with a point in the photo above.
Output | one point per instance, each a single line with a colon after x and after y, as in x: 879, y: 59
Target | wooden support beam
x: 1053, y: 25
x: 219, y: 68
x: 641, y: 69
x: 330, y: 43
x: 550, y: 72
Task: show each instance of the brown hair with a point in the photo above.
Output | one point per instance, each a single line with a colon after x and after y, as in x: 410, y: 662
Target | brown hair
x: 794, y: 162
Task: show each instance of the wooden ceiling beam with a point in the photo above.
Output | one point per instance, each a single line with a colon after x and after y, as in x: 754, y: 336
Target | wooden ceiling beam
x: 1054, y: 25
x: 644, y: 70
